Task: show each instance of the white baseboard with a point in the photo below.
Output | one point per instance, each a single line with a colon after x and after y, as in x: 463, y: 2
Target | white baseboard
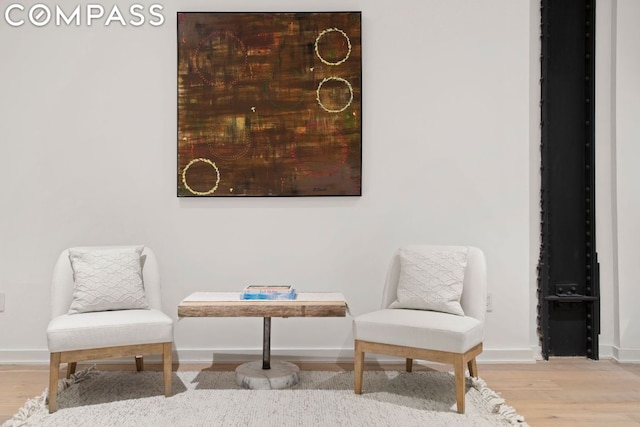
x: 625, y: 355
x: 322, y: 355
x: 518, y: 355
x: 510, y: 355
x: 24, y: 357
x: 605, y: 351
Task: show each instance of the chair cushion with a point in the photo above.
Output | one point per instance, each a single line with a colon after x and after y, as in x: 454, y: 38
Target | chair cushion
x: 107, y: 279
x: 108, y: 329
x: 429, y: 330
x: 431, y: 279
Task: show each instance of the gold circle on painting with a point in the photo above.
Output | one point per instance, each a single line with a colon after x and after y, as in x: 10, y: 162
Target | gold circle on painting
x: 335, y: 52
x: 334, y: 94
x: 206, y: 162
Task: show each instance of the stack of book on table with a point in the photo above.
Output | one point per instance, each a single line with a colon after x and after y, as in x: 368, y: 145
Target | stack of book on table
x: 268, y: 292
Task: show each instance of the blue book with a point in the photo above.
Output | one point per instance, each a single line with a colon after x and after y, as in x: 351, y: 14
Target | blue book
x: 268, y: 292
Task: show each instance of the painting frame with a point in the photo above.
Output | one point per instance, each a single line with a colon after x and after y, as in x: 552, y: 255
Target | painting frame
x: 269, y: 104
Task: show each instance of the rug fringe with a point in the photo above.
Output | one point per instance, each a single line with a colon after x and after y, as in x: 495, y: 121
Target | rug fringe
x: 38, y: 406
x: 36, y: 410
x: 497, y: 403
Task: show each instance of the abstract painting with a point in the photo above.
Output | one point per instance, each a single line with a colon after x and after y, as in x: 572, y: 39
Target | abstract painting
x: 269, y: 104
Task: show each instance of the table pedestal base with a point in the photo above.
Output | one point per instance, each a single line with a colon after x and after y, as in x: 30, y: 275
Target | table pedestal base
x: 281, y: 375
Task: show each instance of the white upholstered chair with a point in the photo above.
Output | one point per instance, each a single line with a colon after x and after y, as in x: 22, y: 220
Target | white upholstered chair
x: 424, y: 334
x: 102, y: 331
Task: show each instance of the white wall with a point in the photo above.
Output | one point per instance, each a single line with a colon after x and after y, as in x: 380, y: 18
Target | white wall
x: 618, y: 201
x: 627, y: 152
x: 605, y: 171
x: 88, y: 118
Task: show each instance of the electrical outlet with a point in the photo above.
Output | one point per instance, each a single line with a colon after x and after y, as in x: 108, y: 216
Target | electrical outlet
x: 489, y: 302
x: 1, y: 301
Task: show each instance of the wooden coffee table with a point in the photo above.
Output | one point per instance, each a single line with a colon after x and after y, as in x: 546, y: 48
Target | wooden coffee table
x: 228, y: 304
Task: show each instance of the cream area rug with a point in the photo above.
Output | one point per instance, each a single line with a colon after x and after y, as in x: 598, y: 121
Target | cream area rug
x: 207, y: 398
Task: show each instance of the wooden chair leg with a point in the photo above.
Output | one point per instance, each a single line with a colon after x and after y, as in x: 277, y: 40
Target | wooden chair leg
x: 358, y: 362
x: 139, y: 364
x: 54, y: 375
x: 71, y: 369
x: 458, y: 367
x: 409, y: 365
x: 166, y: 367
x: 473, y: 368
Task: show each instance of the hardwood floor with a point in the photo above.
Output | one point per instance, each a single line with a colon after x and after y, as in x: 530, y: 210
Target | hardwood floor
x: 562, y: 392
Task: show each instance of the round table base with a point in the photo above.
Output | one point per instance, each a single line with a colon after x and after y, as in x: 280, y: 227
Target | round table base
x: 281, y: 375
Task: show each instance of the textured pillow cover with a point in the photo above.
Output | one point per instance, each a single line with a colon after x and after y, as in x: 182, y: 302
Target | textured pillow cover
x: 107, y: 279
x: 431, y: 279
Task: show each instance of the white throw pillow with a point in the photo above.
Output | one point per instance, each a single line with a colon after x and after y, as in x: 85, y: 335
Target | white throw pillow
x: 431, y: 279
x: 107, y: 279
